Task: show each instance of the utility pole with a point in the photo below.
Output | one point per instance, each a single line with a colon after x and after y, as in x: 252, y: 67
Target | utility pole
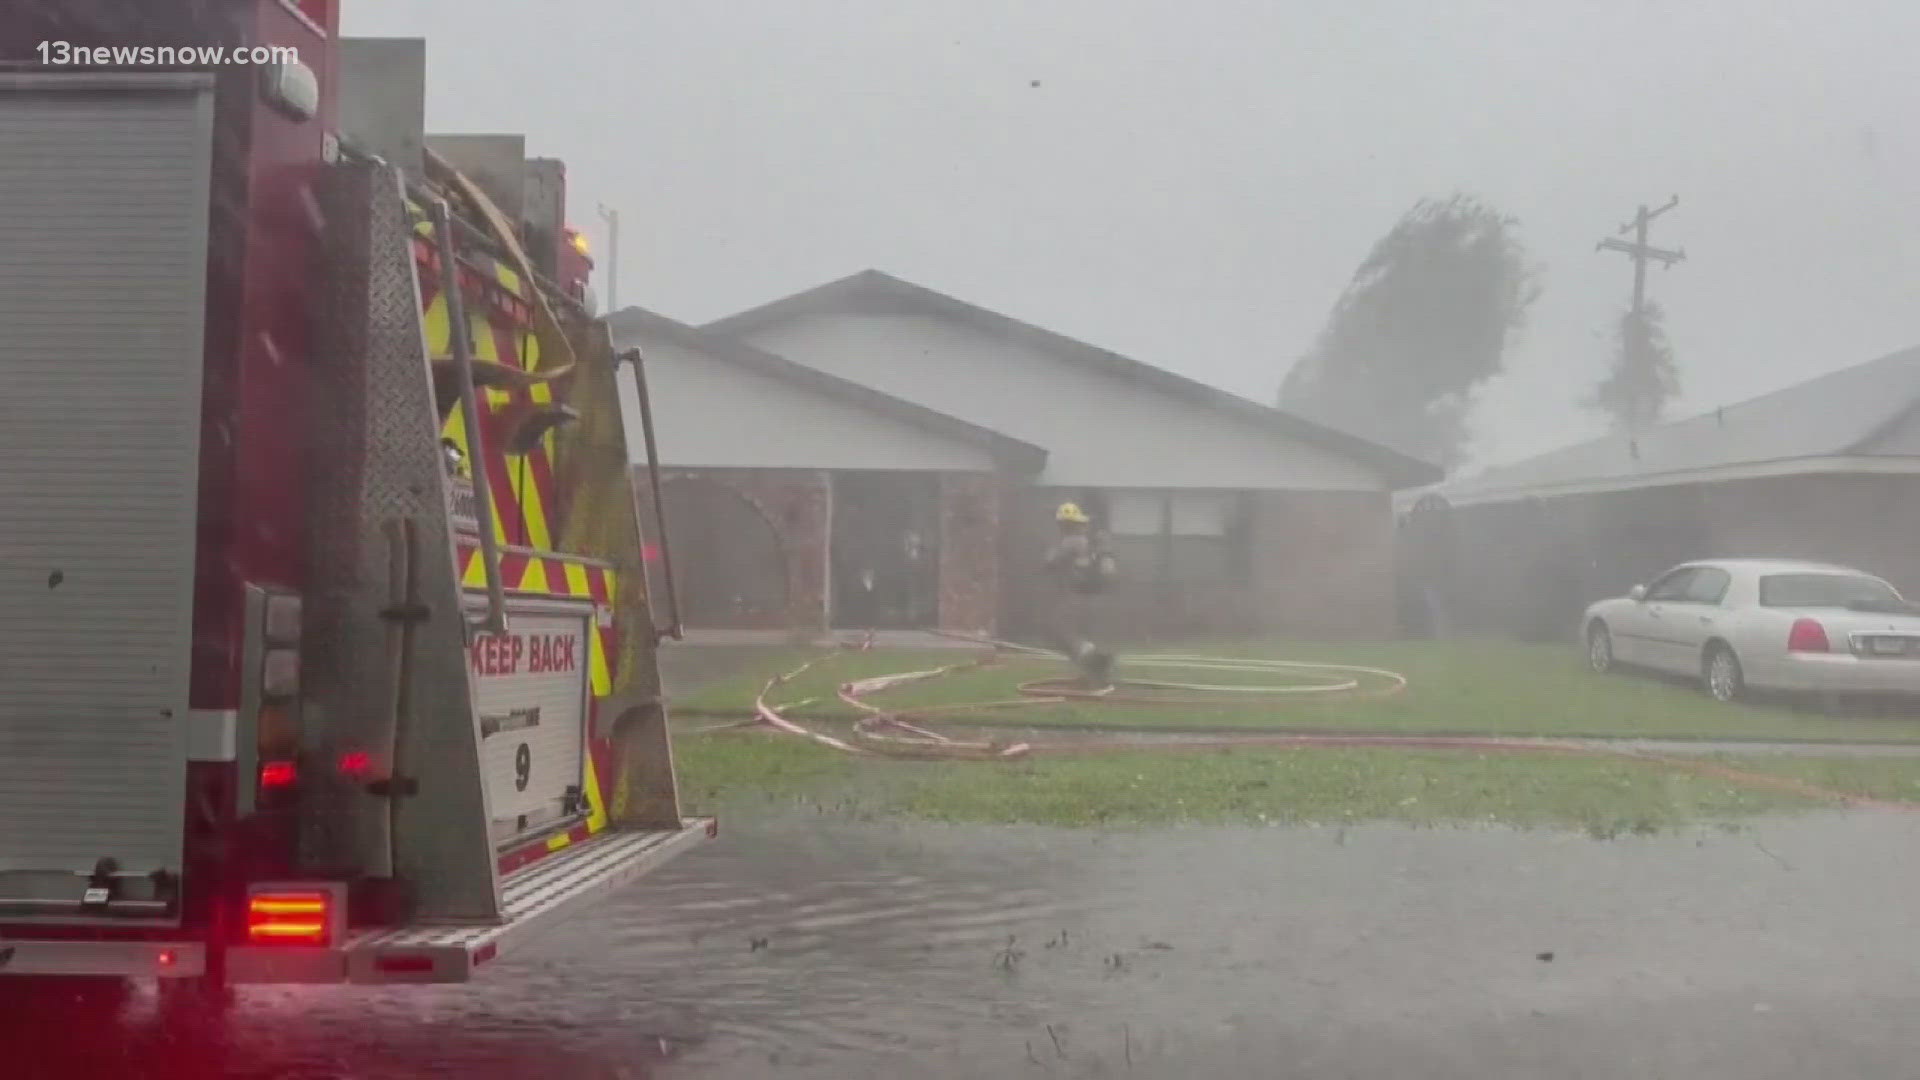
x: 612, y: 218
x: 1641, y: 253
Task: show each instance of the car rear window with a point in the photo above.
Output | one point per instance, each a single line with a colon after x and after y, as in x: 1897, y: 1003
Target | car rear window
x: 1828, y: 590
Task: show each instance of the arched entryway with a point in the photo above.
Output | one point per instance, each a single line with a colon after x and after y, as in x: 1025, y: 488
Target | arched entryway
x: 729, y: 566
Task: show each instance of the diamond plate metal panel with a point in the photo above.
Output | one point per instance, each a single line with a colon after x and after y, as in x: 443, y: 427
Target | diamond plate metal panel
x: 377, y: 460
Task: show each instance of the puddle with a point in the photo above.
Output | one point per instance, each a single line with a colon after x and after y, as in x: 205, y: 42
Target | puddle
x: 811, y: 946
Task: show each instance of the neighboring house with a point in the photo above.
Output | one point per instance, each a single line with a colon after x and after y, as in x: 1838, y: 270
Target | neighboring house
x: 1229, y: 516
x: 1828, y: 469
x: 796, y: 499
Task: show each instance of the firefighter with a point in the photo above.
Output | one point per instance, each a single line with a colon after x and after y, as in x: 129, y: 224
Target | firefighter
x: 1079, y: 566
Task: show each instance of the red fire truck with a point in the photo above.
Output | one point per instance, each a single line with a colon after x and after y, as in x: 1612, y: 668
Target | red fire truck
x: 326, y: 652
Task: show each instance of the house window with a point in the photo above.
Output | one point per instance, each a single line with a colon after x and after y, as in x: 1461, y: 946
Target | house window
x: 1136, y: 513
x: 1173, y: 537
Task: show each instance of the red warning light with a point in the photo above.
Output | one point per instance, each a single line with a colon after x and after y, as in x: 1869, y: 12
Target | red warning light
x: 277, y: 774
x: 168, y: 958
x: 288, y: 918
x: 356, y: 763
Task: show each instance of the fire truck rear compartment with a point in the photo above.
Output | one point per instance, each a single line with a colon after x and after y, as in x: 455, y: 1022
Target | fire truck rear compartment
x: 103, y: 247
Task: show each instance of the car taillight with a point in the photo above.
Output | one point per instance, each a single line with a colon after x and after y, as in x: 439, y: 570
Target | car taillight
x: 290, y: 917
x: 1807, y: 635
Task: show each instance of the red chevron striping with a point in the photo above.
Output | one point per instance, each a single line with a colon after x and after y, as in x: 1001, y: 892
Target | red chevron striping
x: 513, y: 567
x: 540, y: 472
x: 504, y: 346
x: 513, y: 527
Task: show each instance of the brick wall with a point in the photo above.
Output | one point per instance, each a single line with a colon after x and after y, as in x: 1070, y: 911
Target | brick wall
x: 1527, y: 569
x: 969, y: 553
x: 1307, y: 564
x: 1322, y: 564
x: 794, y: 503
x: 1867, y: 521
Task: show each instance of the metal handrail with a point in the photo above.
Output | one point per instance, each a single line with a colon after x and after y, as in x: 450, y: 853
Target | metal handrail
x: 674, y: 628
x: 462, y: 349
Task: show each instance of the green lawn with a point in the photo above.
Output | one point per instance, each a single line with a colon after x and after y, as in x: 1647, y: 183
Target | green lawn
x: 1893, y: 777
x: 754, y: 772
x: 1456, y: 687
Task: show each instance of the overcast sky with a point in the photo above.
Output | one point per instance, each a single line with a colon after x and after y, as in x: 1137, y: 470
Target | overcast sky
x: 1192, y: 182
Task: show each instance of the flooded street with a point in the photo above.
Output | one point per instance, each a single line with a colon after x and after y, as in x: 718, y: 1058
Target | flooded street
x: 817, y: 947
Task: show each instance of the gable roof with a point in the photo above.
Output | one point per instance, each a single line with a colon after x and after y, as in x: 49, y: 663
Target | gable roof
x: 1845, y: 413
x: 872, y: 290
x: 1010, y: 452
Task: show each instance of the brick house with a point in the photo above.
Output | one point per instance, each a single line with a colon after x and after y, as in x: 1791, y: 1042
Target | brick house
x: 1228, y: 516
x: 1828, y: 469
x: 799, y: 500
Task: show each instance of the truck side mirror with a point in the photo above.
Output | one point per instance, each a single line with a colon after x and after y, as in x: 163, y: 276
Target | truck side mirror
x: 1638, y: 592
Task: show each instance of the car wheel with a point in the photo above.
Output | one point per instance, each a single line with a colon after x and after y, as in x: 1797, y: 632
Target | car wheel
x: 1599, y: 649
x: 1720, y: 671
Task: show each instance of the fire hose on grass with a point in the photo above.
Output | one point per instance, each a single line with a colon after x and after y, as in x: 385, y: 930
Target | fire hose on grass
x: 900, y: 732
x: 893, y: 733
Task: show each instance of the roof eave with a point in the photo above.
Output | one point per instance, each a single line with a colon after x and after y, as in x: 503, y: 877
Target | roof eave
x: 1398, y: 470
x: 1007, y: 452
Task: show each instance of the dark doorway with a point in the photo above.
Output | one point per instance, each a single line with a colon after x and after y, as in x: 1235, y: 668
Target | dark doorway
x: 886, y: 550
x: 728, y: 564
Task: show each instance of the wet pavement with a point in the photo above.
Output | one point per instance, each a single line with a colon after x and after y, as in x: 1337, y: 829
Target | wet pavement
x: 807, y: 945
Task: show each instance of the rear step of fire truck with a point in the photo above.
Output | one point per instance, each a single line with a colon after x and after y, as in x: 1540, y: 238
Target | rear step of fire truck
x: 313, y: 949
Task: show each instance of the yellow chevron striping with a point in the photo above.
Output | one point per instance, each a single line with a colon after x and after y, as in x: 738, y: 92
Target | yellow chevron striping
x: 597, y: 663
x: 508, y: 278
x: 577, y: 583
x: 527, y: 494
x: 530, y: 349
x: 596, y: 806
x: 535, y: 577
x: 437, y: 323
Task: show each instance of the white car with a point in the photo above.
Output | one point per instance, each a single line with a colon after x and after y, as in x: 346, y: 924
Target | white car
x: 1765, y: 624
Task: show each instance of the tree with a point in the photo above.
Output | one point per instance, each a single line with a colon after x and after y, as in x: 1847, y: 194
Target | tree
x: 1426, y: 320
x: 1643, y: 377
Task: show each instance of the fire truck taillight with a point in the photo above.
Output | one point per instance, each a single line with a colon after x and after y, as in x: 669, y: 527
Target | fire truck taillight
x: 275, y: 775
x: 291, y: 917
x: 270, y: 696
x: 356, y: 764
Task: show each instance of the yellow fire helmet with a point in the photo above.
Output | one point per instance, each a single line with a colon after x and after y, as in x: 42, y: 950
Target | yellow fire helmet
x: 1070, y: 512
